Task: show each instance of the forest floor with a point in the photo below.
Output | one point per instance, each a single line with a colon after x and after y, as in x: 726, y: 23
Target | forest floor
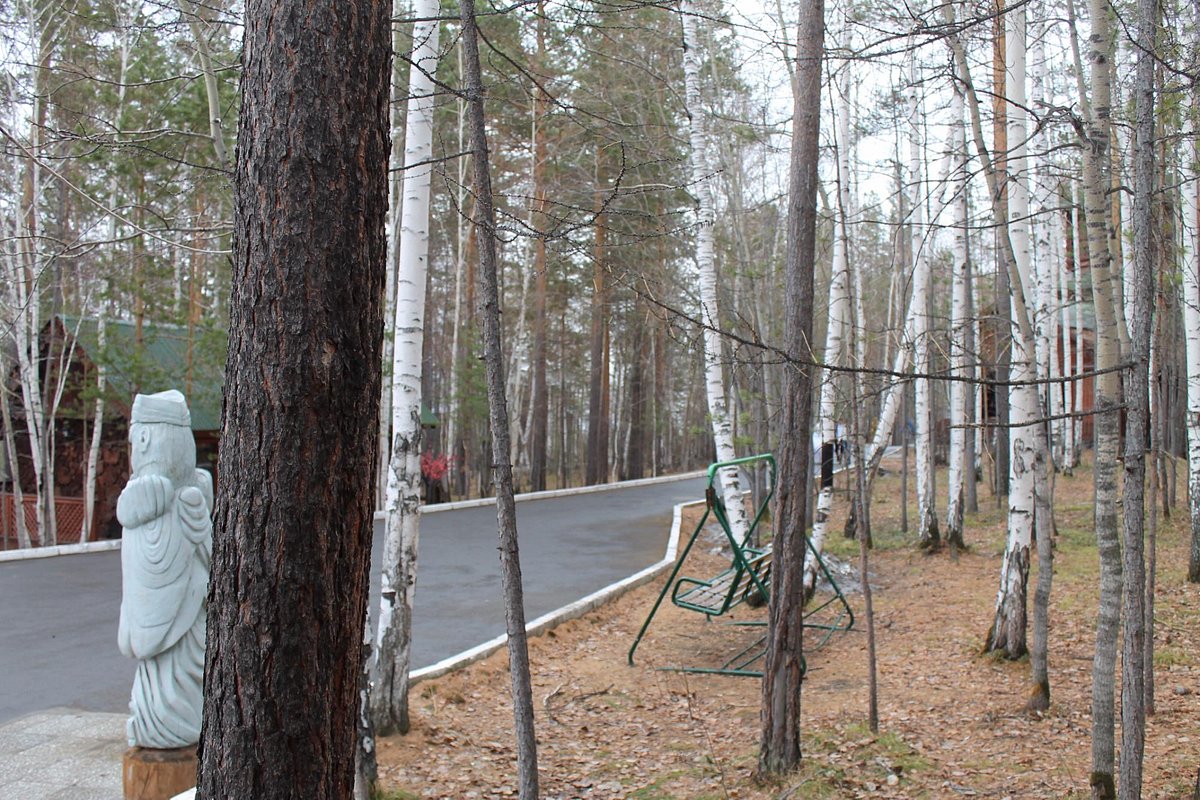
x: 952, y: 720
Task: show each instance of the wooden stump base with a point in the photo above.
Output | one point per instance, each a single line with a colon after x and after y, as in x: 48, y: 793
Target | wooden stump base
x: 157, y: 774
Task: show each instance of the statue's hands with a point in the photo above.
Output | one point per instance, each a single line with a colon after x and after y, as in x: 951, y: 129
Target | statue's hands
x: 144, y: 499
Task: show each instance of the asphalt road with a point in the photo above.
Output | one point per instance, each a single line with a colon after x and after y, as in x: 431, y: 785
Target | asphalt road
x: 58, y: 615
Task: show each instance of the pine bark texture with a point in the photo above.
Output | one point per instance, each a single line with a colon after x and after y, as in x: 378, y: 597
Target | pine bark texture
x: 506, y: 511
x: 291, y: 554
x: 782, y: 670
x: 402, y: 504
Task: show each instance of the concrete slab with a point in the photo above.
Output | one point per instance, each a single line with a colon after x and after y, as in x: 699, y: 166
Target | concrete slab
x: 62, y: 754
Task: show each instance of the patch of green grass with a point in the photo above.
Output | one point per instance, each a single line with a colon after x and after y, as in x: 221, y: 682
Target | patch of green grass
x: 837, y: 761
x: 655, y: 791
x: 1171, y: 657
x: 393, y: 794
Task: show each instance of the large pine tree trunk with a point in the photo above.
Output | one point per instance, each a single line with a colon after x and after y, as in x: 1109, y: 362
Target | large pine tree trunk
x: 293, y: 526
x: 783, y: 668
x: 506, y: 511
x: 393, y: 641
x: 702, y: 169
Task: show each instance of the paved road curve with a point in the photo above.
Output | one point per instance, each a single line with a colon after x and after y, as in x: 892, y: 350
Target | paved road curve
x: 58, y: 615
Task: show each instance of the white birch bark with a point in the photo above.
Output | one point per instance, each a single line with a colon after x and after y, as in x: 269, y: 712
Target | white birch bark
x: 1068, y: 343
x: 1054, y: 398
x: 93, y: 455
x: 927, y: 524
x: 1009, y: 626
x: 1043, y: 258
x: 959, y: 324
x: 395, y: 203
x: 460, y: 261
x: 402, y: 506
x: 702, y: 169
x: 1190, y: 300
x: 23, y: 300
x: 14, y: 472
x: 1077, y: 353
x: 839, y: 320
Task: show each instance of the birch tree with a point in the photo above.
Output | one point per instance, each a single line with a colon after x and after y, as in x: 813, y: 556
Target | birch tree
x: 839, y: 318
x: 402, y: 505
x: 1190, y: 289
x: 1008, y: 627
x: 927, y: 524
x: 703, y: 168
x: 1027, y: 447
x: 1094, y: 134
x: 961, y: 357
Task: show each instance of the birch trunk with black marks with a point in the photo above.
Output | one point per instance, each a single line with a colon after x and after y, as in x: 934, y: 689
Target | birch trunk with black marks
x: 928, y: 535
x: 1094, y: 135
x: 838, y: 325
x: 402, y: 504
x: 1008, y: 627
x: 1190, y: 300
x: 960, y: 324
x: 703, y: 170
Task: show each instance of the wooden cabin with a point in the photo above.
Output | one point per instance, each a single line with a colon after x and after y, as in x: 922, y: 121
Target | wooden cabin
x: 139, y: 357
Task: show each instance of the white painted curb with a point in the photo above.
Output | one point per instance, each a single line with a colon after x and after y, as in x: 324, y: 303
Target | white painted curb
x: 26, y: 553
x: 565, y: 613
x: 115, y: 544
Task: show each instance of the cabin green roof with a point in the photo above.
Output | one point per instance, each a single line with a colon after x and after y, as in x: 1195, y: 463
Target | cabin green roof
x: 161, y: 362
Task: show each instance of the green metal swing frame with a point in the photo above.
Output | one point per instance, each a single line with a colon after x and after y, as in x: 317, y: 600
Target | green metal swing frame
x: 747, y: 579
